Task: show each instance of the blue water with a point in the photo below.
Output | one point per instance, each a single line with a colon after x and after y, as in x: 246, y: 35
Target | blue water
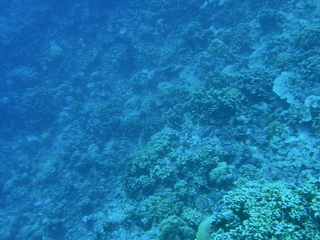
x: 168, y: 120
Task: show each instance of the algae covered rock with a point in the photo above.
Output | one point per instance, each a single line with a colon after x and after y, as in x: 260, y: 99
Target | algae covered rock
x: 204, y: 229
x: 221, y: 174
x: 174, y: 228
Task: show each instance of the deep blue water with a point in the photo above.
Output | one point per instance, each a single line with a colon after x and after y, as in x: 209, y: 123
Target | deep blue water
x: 168, y: 120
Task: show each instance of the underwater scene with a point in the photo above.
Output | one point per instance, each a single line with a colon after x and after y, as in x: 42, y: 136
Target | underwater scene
x: 159, y: 120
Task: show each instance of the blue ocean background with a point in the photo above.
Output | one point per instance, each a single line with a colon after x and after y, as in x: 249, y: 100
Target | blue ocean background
x: 159, y: 120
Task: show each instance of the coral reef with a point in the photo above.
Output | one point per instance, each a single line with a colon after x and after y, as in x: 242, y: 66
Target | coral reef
x: 161, y: 120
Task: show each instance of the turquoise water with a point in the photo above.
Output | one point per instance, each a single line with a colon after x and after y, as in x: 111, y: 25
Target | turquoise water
x: 159, y: 120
